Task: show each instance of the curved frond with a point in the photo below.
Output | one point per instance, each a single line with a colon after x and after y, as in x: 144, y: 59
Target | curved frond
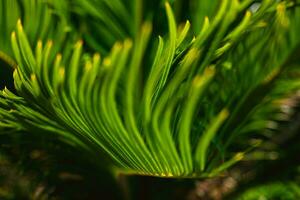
x: 181, y: 117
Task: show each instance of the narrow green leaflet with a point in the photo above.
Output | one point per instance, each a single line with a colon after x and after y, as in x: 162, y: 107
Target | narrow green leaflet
x: 97, y: 75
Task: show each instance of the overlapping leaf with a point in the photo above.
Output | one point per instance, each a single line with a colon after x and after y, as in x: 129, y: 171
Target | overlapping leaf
x: 177, y: 119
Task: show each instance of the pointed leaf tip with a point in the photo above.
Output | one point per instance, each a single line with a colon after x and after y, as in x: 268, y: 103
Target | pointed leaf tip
x: 19, y: 25
x: 61, y: 72
x: 147, y: 27
x: 39, y: 44
x: 33, y: 77
x: 128, y: 43
x: 239, y: 156
x: 49, y: 43
x: 167, y: 5
x: 13, y: 35
x: 58, y: 56
x: 79, y: 43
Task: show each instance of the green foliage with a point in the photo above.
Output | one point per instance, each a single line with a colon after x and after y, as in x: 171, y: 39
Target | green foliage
x: 283, y: 191
x: 174, y: 105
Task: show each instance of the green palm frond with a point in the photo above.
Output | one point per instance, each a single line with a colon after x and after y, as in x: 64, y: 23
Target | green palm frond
x: 40, y: 22
x: 171, y: 109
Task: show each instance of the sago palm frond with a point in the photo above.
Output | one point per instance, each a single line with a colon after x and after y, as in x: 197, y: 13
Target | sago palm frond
x: 172, y: 108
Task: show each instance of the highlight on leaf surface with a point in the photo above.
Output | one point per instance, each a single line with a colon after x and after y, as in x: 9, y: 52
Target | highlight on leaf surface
x: 169, y: 108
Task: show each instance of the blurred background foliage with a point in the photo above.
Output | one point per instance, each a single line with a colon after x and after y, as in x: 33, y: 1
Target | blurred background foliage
x: 39, y: 170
